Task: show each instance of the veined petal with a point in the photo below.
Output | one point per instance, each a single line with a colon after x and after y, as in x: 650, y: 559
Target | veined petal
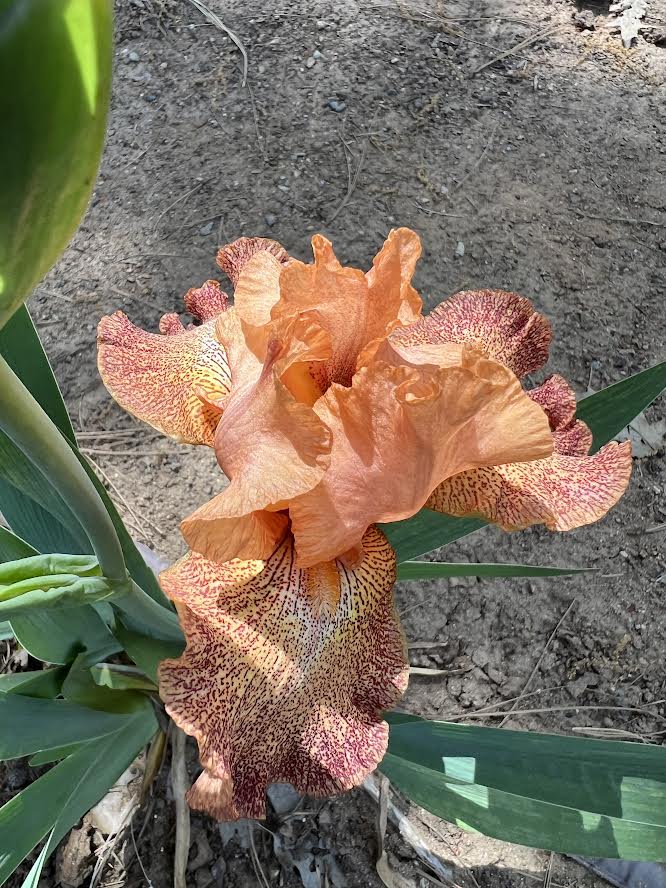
x: 562, y: 492
x: 285, y: 674
x: 398, y: 432
x: 170, y: 381
x: 233, y: 257
x: 571, y: 436
x: 566, y: 490
x: 503, y: 325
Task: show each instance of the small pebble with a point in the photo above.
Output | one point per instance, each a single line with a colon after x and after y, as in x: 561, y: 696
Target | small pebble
x: 206, y: 229
x: 270, y: 219
x: 335, y: 105
x: 311, y: 62
x: 317, y: 55
x: 321, y: 24
x: 460, y: 249
x: 133, y: 56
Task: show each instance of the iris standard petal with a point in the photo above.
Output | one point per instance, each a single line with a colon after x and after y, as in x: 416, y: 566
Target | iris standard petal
x: 398, y: 432
x: 233, y: 257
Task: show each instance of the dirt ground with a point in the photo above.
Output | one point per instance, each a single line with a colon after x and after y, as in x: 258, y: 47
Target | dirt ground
x: 543, y: 173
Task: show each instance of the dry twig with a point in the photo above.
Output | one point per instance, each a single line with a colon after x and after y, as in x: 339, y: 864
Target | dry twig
x: 217, y: 21
x: 352, y: 179
x: 180, y: 784
x: 528, y: 41
x: 540, y: 660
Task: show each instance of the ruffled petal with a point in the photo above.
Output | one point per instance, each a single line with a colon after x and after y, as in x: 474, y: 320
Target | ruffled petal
x: 285, y: 674
x: 207, y: 301
x: 570, y: 436
x: 269, y: 441
x: 398, y: 432
x: 212, y: 532
x: 353, y: 308
x: 233, y: 257
x: 390, y: 279
x: 562, y: 492
x: 172, y: 381
x: 503, y: 325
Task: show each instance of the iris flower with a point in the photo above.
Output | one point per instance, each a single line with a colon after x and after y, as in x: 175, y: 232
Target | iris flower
x: 333, y: 405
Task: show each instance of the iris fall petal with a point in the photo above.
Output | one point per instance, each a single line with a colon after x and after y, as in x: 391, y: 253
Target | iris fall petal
x: 285, y: 674
x: 566, y: 490
x: 170, y: 381
x: 503, y: 325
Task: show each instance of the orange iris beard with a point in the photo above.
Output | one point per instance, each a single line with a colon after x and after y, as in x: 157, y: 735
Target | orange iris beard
x: 333, y: 405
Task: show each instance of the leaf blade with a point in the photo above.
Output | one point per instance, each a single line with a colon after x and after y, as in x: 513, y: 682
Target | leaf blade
x: 612, y: 409
x: 591, y: 797
x: 59, y: 798
x: 57, y: 56
x: 425, y: 570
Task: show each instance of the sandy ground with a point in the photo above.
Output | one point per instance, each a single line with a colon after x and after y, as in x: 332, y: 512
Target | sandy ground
x: 544, y: 173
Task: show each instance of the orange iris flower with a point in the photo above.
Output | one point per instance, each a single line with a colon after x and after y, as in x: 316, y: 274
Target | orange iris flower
x: 333, y: 405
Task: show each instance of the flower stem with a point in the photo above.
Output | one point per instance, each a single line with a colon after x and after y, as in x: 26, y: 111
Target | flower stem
x: 34, y: 433
x: 24, y: 421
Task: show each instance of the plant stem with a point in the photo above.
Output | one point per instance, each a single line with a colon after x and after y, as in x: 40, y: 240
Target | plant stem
x: 29, y: 427
x: 31, y: 430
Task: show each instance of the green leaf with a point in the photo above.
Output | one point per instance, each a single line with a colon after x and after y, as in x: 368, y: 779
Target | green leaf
x: 58, y: 799
x: 57, y: 58
x: 140, y: 572
x: 573, y: 795
x: 426, y: 570
x: 45, y: 683
x: 20, y: 346
x: 22, y: 349
x: 425, y: 531
x: 146, y: 652
x: 6, y: 631
x: 609, y: 411
x: 57, y: 754
x: 121, y: 678
x: 80, y: 687
x: 31, y: 506
x: 32, y: 879
x: 58, y: 637
x: 13, y: 547
x: 37, y: 724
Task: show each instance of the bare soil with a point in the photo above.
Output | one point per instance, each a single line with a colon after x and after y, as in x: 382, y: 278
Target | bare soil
x: 547, y: 169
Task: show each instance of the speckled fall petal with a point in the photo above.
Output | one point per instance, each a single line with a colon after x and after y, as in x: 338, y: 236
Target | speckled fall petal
x: 285, y: 674
x: 503, y: 325
x: 566, y: 490
x: 398, y: 432
x: 171, y: 381
x: 233, y: 257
